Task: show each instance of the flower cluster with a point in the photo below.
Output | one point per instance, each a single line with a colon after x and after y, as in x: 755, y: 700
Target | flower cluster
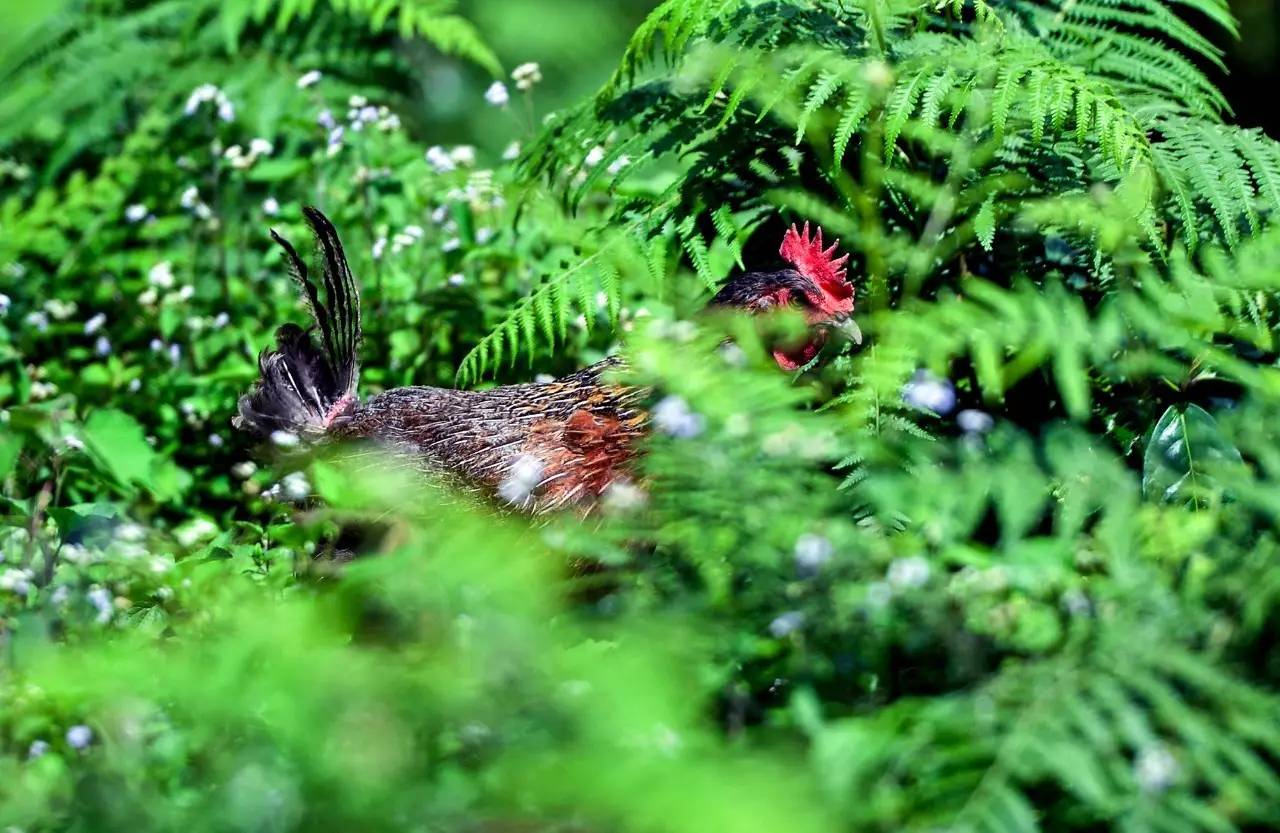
x: 526, y: 75
x: 210, y: 93
x: 241, y: 159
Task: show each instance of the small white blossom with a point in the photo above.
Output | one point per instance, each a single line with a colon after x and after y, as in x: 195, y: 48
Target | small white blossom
x: 261, y: 147
x: 285, y: 439
x: 135, y: 385
x: 270, y: 207
x: 483, y: 235
x: 357, y: 101
x: 79, y: 737
x: 812, y: 552
x: 786, y: 623
x: 157, y: 346
x: 295, y: 486
x: 524, y: 477
x: 59, y: 309
x: 927, y: 392
x: 512, y: 151
x: 216, y: 440
x: 616, y: 166
x: 5, y: 303
x: 308, y: 79
x: 102, y: 346
x: 526, y: 75
x: 497, y: 94
x: 221, y: 320
x: 440, y: 160
x: 190, y: 197
x: 130, y: 533
x: 16, y: 581
x: 594, y: 156
x: 1155, y: 769
x: 463, y: 155
x: 37, y: 749
x: 73, y: 442
x: 43, y: 390
x: 201, y: 94
x: 457, y: 279
x: 672, y: 416
x: 136, y: 213
x: 226, y: 111
x: 416, y: 232
x: 244, y: 470
x: 334, y: 142
x: 101, y: 601
x: 194, y: 531
x: 326, y: 120
x: 451, y: 245
x: 95, y: 323
x: 175, y: 354
x: 37, y: 319
x: 908, y: 572
x: 148, y: 297
x: 974, y: 422
x: 379, y: 248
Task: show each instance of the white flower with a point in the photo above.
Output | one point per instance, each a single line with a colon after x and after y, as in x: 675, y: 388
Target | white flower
x: 73, y: 442
x: 215, y: 440
x: 357, y: 101
x: 401, y: 240
x: 59, y: 309
x: 908, y: 572
x: 101, y: 601
x: 148, y: 297
x: 37, y: 749
x: 672, y: 416
x: 451, y: 245
x: 457, y: 279
x: 594, y: 156
x: 78, y: 737
x: 927, y: 392
x: 43, y: 390
x: 334, y: 142
x: 226, y: 111
x: 811, y: 552
x: 175, y: 354
x: 102, y: 346
x: 161, y: 275
x: 38, y: 319
x: 1155, y: 769
x: 284, y: 439
x: 414, y: 232
x: 326, y: 120
x: 201, y: 94
x: 221, y: 320
x: 135, y: 385
x: 157, y: 346
x: 974, y: 422
x: 309, y: 78
x: 95, y: 323
x: 270, y: 207
x: 194, y: 531
x: 379, y: 248
x: 130, y: 533
x: 497, y: 94
x: 261, y: 147
x: 295, y: 486
x: 616, y: 166
x: 524, y: 477
x: 526, y: 75
x: 440, y: 214
x: 483, y: 235
x: 136, y: 213
x: 512, y: 151
x: 786, y: 623
x: 16, y: 581
x: 190, y: 197
x: 440, y: 160
x: 464, y: 155
x: 5, y: 303
x: 244, y: 470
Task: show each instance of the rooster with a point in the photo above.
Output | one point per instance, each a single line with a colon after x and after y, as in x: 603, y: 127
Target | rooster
x: 539, y: 446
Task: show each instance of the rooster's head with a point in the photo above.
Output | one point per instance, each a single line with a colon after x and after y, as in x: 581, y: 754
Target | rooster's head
x: 816, y: 284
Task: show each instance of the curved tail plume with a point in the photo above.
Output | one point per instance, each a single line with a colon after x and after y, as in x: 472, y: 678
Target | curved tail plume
x: 303, y: 387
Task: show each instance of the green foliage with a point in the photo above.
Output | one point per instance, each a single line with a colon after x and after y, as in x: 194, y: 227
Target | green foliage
x: 1005, y: 561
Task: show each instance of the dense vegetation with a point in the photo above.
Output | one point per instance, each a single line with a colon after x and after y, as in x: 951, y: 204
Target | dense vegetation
x: 1003, y: 563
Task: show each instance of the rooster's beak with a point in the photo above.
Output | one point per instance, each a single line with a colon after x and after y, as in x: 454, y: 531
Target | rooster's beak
x: 846, y: 326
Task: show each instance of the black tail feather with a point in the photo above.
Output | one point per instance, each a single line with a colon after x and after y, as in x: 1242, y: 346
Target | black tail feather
x: 303, y: 387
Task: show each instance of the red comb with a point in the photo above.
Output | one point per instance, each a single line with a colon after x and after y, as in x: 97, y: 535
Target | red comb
x: 819, y: 266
